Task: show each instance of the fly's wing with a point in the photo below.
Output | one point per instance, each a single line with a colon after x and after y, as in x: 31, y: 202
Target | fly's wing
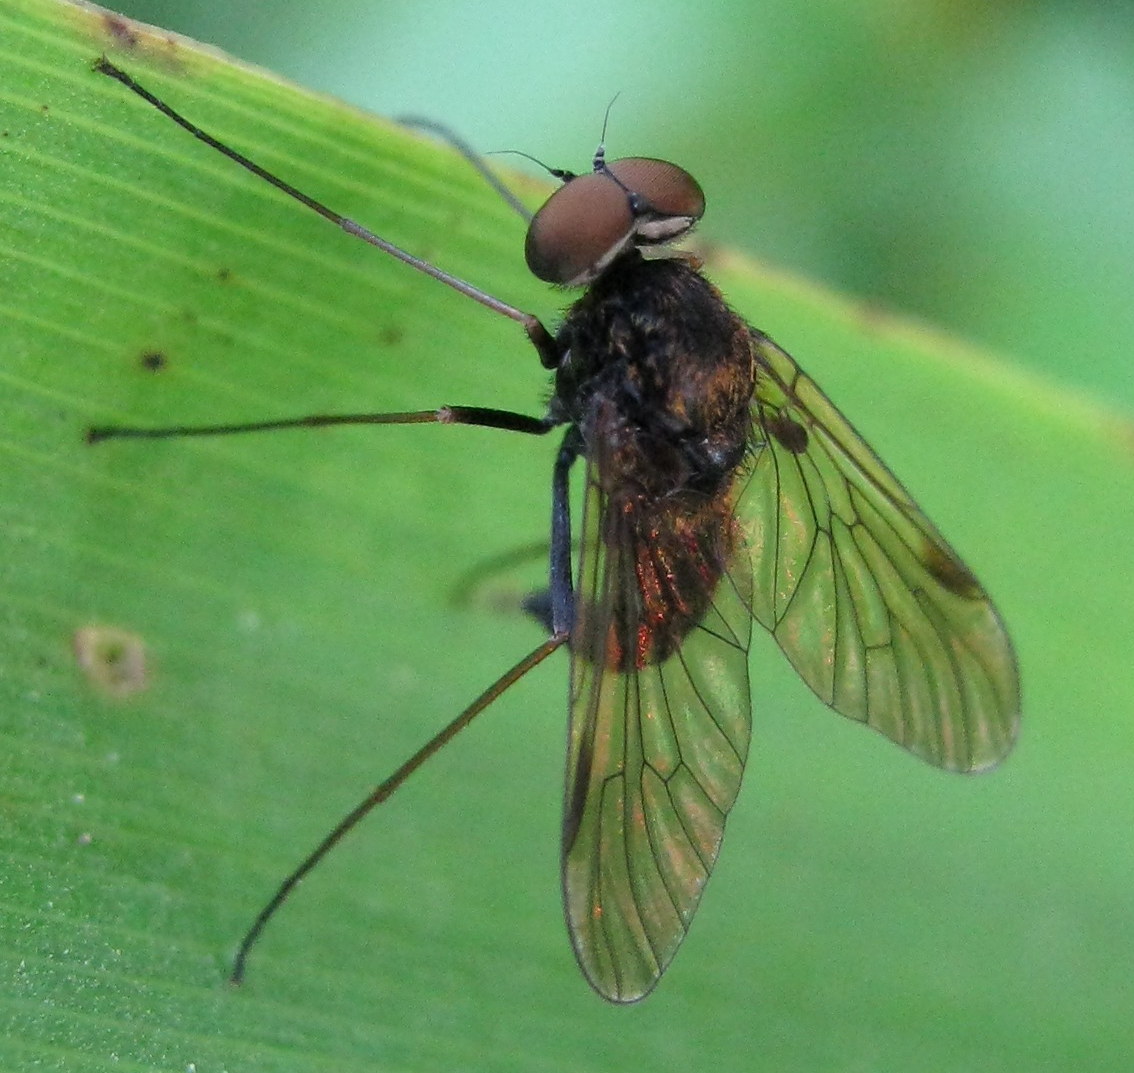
x: 874, y: 610
x: 655, y: 755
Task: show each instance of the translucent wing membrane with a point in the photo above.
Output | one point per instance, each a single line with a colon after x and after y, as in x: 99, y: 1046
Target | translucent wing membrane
x: 656, y: 747
x: 873, y: 609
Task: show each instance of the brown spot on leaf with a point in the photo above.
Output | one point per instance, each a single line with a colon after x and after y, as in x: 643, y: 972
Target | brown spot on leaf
x: 121, y: 30
x: 113, y: 660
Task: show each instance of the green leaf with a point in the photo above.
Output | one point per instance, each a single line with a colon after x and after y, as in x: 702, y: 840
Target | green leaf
x: 292, y: 597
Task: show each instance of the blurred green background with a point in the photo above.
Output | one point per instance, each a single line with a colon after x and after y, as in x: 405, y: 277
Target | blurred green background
x: 964, y: 161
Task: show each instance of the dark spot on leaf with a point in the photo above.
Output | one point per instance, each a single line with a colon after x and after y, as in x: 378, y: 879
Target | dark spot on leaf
x: 224, y: 274
x: 392, y: 336
x: 113, y: 660
x: 153, y: 361
x: 951, y: 572
x: 789, y: 434
x: 122, y: 30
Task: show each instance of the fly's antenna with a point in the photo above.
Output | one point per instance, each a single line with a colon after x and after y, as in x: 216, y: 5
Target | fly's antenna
x: 599, y: 162
x: 562, y: 174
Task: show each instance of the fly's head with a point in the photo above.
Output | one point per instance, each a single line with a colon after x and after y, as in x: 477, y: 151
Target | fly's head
x: 592, y: 219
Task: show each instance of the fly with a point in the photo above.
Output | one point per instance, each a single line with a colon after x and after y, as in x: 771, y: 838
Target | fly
x: 721, y: 487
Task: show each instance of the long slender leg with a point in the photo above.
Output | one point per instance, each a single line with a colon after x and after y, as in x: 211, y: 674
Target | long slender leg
x: 540, y: 337
x: 562, y: 618
x: 561, y: 592
x: 445, y: 415
x: 383, y: 791
x: 475, y: 159
x: 562, y: 600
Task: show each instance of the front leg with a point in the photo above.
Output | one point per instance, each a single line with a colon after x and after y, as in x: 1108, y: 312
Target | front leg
x: 561, y: 593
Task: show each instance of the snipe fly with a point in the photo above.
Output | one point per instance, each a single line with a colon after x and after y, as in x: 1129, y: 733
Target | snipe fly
x: 722, y: 487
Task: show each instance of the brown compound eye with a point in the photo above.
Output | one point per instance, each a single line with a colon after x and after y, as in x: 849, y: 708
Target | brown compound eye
x: 593, y: 218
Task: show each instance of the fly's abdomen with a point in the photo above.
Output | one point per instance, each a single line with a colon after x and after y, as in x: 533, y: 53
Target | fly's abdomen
x: 665, y: 561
